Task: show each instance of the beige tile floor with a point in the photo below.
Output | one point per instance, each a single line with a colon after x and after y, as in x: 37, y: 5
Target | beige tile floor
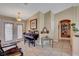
x: 61, y: 48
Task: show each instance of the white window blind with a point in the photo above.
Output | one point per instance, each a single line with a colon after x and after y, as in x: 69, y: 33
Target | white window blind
x: 8, y: 32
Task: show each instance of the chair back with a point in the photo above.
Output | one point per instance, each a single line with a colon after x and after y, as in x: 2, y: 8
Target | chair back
x: 1, y: 50
x: 0, y: 43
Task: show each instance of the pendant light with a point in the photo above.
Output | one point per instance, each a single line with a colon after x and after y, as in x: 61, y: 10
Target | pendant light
x: 18, y: 16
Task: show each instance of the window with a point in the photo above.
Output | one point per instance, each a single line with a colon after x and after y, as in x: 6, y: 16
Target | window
x: 19, y: 31
x: 8, y: 31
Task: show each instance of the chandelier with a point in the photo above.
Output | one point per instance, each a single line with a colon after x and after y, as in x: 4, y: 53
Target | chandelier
x: 18, y: 18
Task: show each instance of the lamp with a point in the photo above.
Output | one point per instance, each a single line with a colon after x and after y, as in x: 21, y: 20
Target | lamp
x: 18, y: 16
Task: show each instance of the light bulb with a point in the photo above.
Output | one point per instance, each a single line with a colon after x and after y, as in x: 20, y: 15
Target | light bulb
x: 18, y: 16
x: 18, y: 19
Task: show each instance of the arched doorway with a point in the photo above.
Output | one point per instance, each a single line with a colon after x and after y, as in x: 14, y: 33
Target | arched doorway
x: 64, y: 29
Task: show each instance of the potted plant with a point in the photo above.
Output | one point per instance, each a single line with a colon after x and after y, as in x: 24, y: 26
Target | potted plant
x: 75, y: 29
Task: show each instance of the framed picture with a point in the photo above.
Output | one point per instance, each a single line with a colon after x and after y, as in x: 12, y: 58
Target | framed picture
x: 33, y: 24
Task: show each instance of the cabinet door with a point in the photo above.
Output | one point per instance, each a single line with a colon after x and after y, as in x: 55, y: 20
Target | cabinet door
x: 19, y: 31
x: 65, y: 28
x: 8, y: 31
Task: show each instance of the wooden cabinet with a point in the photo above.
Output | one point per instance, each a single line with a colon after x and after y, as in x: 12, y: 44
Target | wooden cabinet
x: 65, y: 28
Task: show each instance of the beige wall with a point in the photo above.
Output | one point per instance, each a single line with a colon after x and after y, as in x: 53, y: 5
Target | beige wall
x: 47, y: 20
x: 40, y: 23
x: 75, y: 40
x: 49, y: 23
x: 43, y: 19
x: 66, y: 14
x: 72, y: 14
x: 4, y: 19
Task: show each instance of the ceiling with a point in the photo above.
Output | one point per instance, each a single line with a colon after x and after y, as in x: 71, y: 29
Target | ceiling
x: 28, y: 9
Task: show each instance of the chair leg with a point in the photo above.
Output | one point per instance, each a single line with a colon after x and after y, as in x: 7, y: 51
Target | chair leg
x: 20, y: 50
x: 34, y: 43
x: 24, y: 41
x: 29, y: 43
x: 21, y: 54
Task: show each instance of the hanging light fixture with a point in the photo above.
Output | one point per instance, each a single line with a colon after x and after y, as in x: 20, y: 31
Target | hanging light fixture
x: 18, y: 18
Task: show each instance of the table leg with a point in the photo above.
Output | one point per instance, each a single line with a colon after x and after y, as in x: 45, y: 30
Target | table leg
x: 52, y: 43
x: 49, y: 42
x: 34, y: 43
x: 29, y: 43
x: 42, y: 43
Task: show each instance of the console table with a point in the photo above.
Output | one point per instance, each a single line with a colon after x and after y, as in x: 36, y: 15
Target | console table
x: 47, y: 39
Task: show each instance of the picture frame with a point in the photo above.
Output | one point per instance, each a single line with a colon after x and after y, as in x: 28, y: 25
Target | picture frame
x: 33, y: 24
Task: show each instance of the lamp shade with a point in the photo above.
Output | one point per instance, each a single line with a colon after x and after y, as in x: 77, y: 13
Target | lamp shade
x: 18, y: 18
